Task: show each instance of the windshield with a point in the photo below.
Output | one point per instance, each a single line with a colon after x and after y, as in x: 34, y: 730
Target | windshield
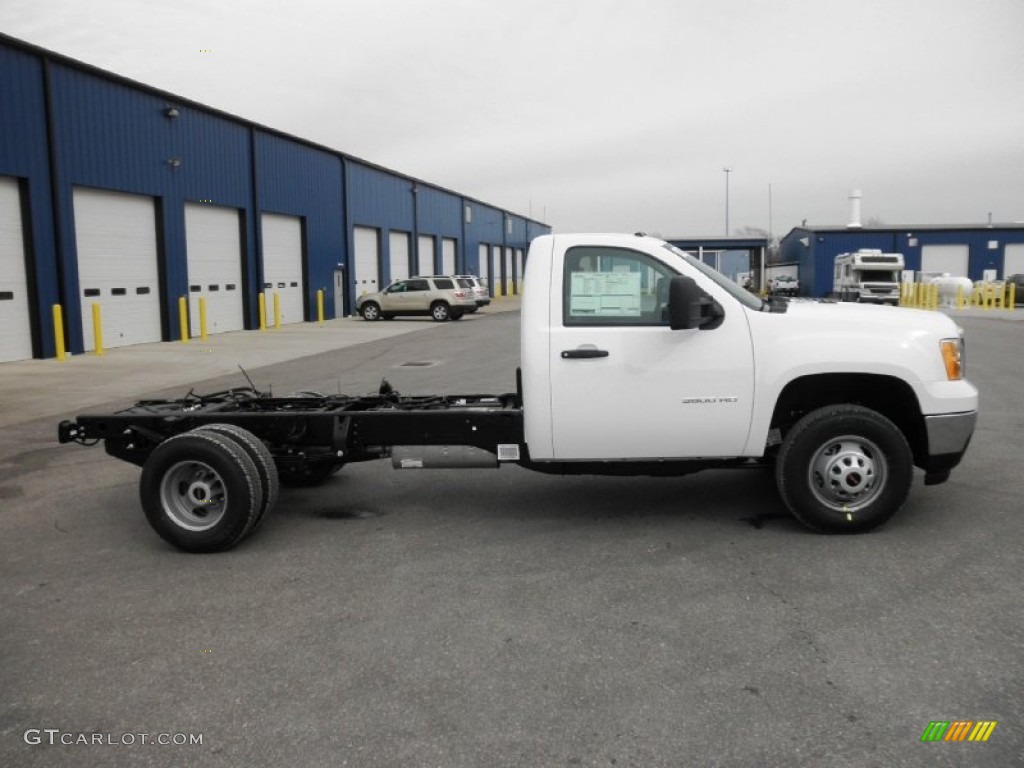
x: 877, y: 276
x: 742, y: 295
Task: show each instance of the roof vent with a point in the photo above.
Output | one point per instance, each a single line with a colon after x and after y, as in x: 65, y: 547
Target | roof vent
x: 855, y: 196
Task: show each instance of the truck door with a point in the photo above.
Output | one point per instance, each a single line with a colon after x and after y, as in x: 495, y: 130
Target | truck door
x: 623, y: 384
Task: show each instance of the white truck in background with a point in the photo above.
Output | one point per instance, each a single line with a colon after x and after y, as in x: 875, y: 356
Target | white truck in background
x: 868, y: 276
x: 635, y: 359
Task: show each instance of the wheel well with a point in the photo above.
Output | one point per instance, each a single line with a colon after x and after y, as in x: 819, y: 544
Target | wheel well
x: 888, y: 395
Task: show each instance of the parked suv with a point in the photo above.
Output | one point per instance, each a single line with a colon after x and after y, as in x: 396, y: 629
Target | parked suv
x: 480, y: 292
x: 440, y: 297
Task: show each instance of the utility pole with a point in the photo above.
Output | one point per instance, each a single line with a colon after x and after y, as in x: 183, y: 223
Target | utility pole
x: 727, y: 171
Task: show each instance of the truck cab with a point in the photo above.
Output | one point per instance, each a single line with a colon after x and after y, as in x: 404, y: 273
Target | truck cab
x: 635, y: 356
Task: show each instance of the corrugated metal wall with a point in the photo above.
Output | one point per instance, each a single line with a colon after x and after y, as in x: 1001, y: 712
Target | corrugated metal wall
x: 24, y: 155
x: 65, y: 125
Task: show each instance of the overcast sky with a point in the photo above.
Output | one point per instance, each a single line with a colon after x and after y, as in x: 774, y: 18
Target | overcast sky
x: 609, y: 114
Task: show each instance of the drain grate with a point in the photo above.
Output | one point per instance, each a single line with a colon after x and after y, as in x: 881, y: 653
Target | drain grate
x: 418, y: 364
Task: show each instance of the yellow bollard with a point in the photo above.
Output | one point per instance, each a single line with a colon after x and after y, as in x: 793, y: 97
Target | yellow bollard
x: 262, y: 306
x: 960, y: 297
x: 58, y: 331
x: 320, y: 307
x: 933, y: 302
x: 202, y: 318
x: 1011, y: 299
x: 183, y: 318
x: 277, y: 310
x: 97, y: 329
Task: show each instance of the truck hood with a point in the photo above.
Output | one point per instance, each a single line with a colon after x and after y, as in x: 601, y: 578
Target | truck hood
x: 823, y: 337
x: 867, y: 318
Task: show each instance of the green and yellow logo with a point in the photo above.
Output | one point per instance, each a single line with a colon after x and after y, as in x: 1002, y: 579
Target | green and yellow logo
x: 958, y: 730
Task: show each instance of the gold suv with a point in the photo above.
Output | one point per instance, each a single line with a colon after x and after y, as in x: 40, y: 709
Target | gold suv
x: 442, y: 298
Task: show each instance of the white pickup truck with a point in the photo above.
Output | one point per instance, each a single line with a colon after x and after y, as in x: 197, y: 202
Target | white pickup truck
x: 636, y: 359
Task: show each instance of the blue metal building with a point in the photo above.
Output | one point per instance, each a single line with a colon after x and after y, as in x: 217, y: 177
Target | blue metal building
x: 118, y: 194
x: 964, y: 250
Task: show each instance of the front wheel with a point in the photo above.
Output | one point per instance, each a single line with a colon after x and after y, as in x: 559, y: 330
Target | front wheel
x: 370, y: 311
x: 844, y: 469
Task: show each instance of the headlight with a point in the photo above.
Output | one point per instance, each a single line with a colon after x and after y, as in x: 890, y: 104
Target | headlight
x: 953, y: 357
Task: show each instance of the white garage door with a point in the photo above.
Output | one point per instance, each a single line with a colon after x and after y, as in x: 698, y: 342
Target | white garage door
x: 425, y: 261
x: 508, y: 272
x: 367, y: 259
x: 945, y: 258
x: 519, y: 268
x: 213, y: 244
x: 448, y: 256
x: 1013, y: 261
x: 15, y: 331
x: 483, y: 261
x: 398, y: 246
x: 117, y: 266
x: 282, y: 266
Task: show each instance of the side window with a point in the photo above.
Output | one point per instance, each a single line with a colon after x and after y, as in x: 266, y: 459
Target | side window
x: 396, y: 288
x: 614, y: 286
x: 444, y: 283
x: 417, y: 285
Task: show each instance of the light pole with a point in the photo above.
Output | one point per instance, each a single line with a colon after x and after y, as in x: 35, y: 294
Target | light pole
x: 727, y: 171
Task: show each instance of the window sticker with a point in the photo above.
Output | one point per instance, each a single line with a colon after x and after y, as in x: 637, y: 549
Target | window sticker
x: 605, y: 294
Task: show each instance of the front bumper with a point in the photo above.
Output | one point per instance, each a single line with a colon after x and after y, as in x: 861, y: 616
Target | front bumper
x: 949, y: 434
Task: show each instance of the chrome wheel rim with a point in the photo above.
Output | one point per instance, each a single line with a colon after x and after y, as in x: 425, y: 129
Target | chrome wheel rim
x: 440, y: 312
x: 847, y: 473
x: 193, y: 495
x: 370, y: 312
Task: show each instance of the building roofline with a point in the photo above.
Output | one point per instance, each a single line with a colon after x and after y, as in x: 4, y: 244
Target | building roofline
x: 904, y: 228
x: 92, y: 69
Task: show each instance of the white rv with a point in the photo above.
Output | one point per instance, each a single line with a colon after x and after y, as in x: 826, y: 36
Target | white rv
x: 868, y: 275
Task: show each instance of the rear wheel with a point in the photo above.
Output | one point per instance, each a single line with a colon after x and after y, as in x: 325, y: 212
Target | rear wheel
x: 370, y: 311
x: 844, y: 469
x: 440, y: 311
x: 261, y: 457
x: 201, y: 492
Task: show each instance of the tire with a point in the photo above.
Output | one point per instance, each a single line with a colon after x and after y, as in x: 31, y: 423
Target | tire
x: 440, y: 311
x: 259, y: 453
x: 201, y: 491
x: 844, y: 469
x: 370, y: 311
x: 308, y: 475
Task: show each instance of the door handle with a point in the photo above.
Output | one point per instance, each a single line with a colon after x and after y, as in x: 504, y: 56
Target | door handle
x: 568, y: 354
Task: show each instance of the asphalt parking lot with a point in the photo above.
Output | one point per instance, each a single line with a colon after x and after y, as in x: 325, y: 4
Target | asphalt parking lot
x: 496, y: 618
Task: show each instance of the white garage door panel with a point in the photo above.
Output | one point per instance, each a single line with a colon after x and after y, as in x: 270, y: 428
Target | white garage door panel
x: 367, y: 243
x: 1013, y: 261
x: 519, y: 268
x: 448, y: 256
x: 117, y: 266
x: 945, y: 258
x: 398, y: 246
x: 213, y: 245
x: 483, y: 258
x: 508, y: 272
x: 282, y: 266
x: 15, y: 331
x: 425, y: 264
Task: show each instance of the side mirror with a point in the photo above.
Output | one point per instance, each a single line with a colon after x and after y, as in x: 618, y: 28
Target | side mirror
x: 689, y: 307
